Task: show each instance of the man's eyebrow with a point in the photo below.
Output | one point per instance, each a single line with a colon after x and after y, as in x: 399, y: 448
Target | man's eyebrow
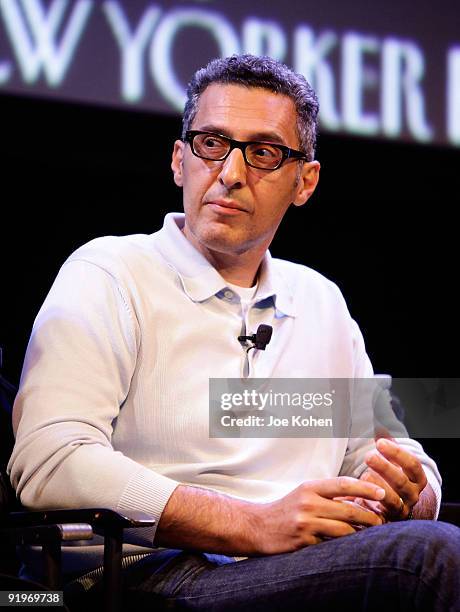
x: 263, y: 136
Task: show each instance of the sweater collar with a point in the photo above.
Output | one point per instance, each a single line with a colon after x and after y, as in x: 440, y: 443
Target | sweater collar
x: 201, y: 281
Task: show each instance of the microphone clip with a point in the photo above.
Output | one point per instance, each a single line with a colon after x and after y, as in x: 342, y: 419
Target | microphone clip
x: 260, y: 339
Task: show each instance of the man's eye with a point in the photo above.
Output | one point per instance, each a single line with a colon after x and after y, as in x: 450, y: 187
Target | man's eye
x: 212, y: 143
x: 266, y: 152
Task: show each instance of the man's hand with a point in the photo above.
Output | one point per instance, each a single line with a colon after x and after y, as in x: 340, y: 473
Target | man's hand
x: 200, y: 519
x: 315, y: 511
x: 401, y: 474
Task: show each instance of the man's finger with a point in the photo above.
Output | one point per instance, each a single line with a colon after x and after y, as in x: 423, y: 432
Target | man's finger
x: 330, y: 528
x: 402, y: 490
x: 392, y: 502
x: 408, y: 462
x: 346, y: 486
x: 351, y: 513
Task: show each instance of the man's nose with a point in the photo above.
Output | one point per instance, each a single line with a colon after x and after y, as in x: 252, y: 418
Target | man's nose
x: 233, y: 172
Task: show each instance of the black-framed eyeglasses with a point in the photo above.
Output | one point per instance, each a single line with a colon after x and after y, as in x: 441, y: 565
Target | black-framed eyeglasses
x: 262, y: 155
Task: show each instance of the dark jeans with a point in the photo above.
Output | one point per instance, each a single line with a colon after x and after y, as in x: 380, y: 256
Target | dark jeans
x: 412, y: 565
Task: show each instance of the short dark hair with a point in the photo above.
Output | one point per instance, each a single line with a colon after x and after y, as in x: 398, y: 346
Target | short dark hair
x: 266, y: 73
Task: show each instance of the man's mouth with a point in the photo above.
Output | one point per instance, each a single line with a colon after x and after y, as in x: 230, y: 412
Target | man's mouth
x: 226, y: 207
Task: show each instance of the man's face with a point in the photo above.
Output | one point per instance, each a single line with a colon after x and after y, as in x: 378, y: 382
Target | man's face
x: 230, y: 207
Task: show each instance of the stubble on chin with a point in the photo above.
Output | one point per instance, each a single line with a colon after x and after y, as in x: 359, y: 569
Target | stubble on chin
x: 213, y: 237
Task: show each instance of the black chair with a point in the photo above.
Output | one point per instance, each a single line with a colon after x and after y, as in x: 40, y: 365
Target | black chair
x: 50, y: 529
x: 450, y: 513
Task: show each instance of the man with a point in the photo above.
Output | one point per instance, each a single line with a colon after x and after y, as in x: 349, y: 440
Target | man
x: 113, y: 405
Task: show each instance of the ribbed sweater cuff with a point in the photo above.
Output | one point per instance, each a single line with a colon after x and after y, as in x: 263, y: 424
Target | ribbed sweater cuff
x: 436, y: 488
x: 149, y: 492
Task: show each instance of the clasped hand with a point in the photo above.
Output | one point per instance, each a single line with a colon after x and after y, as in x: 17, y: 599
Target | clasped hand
x: 397, y: 471
x: 317, y: 510
x: 334, y: 507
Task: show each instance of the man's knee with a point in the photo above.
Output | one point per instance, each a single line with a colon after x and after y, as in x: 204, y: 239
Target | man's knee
x: 435, y: 536
x: 418, y: 547
x: 430, y: 549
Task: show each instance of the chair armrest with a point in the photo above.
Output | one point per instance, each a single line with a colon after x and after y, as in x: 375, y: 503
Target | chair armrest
x: 41, y: 535
x: 105, y: 521
x: 98, y: 518
x: 50, y: 537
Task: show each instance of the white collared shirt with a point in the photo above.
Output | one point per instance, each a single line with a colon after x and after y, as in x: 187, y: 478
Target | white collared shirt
x: 113, y: 402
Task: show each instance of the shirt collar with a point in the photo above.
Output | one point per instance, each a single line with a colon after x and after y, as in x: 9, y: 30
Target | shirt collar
x: 201, y: 281
x: 273, y: 284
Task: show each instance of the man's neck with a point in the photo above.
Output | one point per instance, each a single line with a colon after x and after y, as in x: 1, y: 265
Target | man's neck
x: 237, y: 268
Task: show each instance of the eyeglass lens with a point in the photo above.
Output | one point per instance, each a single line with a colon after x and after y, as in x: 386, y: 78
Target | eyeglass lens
x: 214, y: 147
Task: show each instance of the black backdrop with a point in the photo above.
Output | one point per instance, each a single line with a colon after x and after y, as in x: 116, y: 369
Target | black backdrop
x: 382, y: 225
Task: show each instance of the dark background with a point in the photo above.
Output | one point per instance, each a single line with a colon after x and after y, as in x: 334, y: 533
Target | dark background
x: 382, y: 225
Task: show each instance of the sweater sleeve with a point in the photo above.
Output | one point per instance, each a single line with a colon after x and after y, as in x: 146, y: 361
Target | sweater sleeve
x: 77, y: 373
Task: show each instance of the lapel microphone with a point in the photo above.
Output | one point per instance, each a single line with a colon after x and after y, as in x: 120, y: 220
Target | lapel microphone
x: 260, y: 339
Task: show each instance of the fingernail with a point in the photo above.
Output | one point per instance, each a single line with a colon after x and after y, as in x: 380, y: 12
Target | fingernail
x: 380, y: 493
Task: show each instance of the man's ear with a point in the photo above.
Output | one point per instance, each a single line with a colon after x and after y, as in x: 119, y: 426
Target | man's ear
x: 308, y: 180
x: 176, y: 163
